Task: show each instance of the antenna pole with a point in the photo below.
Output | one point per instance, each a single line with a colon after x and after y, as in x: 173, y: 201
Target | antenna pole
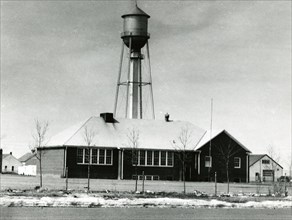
x: 140, y: 90
x: 210, y: 147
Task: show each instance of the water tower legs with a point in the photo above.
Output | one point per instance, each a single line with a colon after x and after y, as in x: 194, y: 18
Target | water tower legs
x: 134, y: 84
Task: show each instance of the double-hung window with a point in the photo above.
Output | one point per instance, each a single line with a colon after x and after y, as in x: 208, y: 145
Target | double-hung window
x: 208, y: 161
x: 237, y: 162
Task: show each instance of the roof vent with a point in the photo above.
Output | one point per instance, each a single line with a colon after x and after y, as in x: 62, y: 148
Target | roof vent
x: 107, y: 117
x: 166, y: 117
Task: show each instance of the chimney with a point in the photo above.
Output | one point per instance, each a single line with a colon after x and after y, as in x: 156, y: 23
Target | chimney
x: 107, y: 117
x: 166, y: 117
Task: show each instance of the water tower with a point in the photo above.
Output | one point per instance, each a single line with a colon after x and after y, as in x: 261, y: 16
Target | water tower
x: 137, y: 74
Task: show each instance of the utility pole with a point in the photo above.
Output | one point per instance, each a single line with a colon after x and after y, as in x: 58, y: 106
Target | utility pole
x: 210, y: 146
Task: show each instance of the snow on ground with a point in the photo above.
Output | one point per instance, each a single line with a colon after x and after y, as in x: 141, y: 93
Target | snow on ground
x: 84, y: 200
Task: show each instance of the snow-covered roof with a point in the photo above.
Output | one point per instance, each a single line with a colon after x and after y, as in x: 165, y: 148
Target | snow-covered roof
x: 153, y: 134
x: 253, y: 158
x: 215, y: 133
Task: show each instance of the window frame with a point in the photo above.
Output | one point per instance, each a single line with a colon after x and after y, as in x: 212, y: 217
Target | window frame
x: 239, y: 162
x: 149, y: 160
x: 107, y: 152
x: 266, y: 160
x: 209, y: 161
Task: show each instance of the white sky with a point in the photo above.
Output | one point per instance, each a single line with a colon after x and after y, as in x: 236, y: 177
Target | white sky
x: 59, y: 62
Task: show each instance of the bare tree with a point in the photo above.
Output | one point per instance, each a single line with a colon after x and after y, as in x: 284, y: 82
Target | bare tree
x: 39, y: 142
x: 226, y: 152
x: 184, y: 141
x: 133, y: 143
x: 88, y: 137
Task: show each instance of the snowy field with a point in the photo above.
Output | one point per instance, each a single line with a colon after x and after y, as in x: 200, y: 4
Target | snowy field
x: 91, y: 200
x: 56, y: 183
x: 18, y: 191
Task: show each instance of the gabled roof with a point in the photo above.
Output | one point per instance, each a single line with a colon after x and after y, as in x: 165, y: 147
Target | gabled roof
x: 26, y: 157
x: 215, y: 133
x: 153, y: 134
x: 253, y: 158
x: 5, y: 155
x: 9, y: 157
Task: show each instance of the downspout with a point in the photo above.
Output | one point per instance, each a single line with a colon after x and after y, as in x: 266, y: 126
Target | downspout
x: 247, y: 167
x: 122, y: 167
x: 119, y: 164
x: 199, y: 163
x: 65, y: 161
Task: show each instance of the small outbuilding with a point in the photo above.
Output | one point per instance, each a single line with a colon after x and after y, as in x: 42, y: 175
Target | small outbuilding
x: 262, y: 168
x: 10, y: 163
x: 29, y: 164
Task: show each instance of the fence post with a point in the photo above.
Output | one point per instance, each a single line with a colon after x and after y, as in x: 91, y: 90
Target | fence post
x: 143, y: 180
x: 215, y: 183
x: 285, y: 187
x: 66, y: 178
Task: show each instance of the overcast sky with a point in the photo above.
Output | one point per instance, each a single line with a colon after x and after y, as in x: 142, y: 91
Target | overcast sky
x: 60, y: 59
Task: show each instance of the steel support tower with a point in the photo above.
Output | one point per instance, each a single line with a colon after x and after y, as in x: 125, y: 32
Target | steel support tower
x: 135, y: 37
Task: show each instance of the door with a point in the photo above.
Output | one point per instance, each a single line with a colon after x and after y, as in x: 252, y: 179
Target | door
x: 268, y: 175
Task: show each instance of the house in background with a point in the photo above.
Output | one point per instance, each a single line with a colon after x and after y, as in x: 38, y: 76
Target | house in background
x: 10, y: 163
x: 29, y: 164
x: 212, y: 156
x: 262, y: 168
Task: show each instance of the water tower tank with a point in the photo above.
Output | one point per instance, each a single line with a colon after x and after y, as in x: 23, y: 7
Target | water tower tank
x: 135, y: 28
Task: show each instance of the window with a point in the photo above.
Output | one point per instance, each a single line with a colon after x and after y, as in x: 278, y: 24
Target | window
x: 163, y: 158
x: 154, y: 158
x: 94, y: 156
x: 101, y: 156
x: 80, y: 155
x: 265, y: 161
x: 87, y: 155
x: 108, y: 157
x: 148, y: 177
x: 135, y: 157
x: 12, y: 168
x: 170, y: 159
x: 208, y: 161
x: 142, y: 157
x: 237, y: 162
x: 149, y: 157
x: 155, y: 177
